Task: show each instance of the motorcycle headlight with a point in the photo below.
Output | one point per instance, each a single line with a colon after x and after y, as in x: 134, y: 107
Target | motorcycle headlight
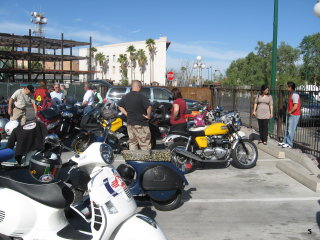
x: 66, y: 114
x: 106, y: 153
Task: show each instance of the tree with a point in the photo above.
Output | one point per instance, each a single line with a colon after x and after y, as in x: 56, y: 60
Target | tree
x: 123, y: 60
x: 310, y: 51
x: 100, y: 58
x: 255, y: 68
x: 151, y: 45
x: 132, y: 56
x: 142, y: 61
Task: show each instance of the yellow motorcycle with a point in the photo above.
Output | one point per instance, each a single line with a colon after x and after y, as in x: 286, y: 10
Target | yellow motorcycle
x: 218, y: 142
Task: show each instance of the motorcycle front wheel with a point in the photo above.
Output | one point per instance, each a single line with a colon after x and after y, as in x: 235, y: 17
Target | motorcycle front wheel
x: 245, y: 154
x: 169, y: 204
x: 179, y: 160
x: 79, y: 145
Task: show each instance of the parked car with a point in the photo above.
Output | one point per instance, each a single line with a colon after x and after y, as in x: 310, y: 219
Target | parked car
x: 310, y: 108
x: 154, y: 94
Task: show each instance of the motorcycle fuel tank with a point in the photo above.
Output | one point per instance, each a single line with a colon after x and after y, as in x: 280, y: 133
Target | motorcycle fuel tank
x: 159, y: 178
x: 216, y: 129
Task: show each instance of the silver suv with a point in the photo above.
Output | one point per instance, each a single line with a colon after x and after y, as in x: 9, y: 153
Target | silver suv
x: 154, y: 94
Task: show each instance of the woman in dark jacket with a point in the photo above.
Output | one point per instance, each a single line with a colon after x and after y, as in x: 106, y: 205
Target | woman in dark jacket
x: 177, y: 118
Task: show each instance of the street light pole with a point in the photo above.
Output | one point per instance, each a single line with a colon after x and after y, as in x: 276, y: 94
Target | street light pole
x: 199, y: 65
x: 274, y: 57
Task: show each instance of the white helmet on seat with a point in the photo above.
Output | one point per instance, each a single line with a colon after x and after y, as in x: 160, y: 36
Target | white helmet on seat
x: 10, y: 126
x: 3, y: 122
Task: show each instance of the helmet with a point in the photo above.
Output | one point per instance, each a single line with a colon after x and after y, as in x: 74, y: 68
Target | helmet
x: 10, y: 126
x: 3, y: 122
x: 126, y: 172
x: 199, y: 120
x: 45, y: 166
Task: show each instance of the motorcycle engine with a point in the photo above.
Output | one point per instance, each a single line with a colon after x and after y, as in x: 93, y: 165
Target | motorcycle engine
x: 217, y: 149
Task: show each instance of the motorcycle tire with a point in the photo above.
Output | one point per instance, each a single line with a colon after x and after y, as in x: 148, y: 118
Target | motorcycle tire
x: 79, y: 145
x: 240, y: 157
x: 168, y: 205
x: 180, y: 161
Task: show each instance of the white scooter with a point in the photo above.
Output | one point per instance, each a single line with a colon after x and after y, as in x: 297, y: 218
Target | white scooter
x: 31, y: 210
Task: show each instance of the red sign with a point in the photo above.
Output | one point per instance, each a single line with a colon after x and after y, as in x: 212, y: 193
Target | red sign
x: 170, y: 76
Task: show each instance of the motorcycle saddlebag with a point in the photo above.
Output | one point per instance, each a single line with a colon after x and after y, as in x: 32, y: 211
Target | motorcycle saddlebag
x: 49, y: 114
x: 161, y: 177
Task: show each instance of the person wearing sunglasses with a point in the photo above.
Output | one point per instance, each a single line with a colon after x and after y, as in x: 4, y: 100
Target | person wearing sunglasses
x: 57, y: 95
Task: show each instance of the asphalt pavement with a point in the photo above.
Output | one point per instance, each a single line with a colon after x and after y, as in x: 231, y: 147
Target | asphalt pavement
x: 225, y: 203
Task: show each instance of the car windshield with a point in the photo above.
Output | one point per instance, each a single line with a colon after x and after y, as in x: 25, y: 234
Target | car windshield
x: 307, y: 99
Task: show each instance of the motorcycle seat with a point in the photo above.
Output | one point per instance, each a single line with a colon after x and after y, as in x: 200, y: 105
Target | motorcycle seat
x: 49, y: 114
x: 147, y: 156
x: 54, y: 194
x: 189, y: 133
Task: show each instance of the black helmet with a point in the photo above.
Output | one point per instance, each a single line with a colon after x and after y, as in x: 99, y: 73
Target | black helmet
x: 126, y: 172
x: 45, y: 166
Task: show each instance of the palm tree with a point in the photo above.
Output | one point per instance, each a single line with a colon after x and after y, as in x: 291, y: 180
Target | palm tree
x: 123, y: 60
x: 151, y: 45
x: 100, y: 58
x: 132, y: 56
x: 142, y: 61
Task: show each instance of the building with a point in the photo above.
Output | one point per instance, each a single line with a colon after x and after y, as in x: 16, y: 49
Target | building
x: 110, y: 69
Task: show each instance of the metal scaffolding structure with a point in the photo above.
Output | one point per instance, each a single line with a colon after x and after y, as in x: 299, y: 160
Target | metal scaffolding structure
x: 37, y: 52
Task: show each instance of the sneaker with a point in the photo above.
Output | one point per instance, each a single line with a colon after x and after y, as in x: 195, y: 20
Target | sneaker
x: 281, y: 143
x: 286, y: 146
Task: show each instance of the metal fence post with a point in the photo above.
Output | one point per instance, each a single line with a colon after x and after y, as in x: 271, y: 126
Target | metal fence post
x: 234, y: 98
x: 279, y: 113
x: 251, y: 106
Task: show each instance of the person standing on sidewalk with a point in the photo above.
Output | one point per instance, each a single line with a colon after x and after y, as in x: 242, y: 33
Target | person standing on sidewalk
x: 137, y: 108
x: 263, y: 110
x: 18, y: 102
x: 294, y: 112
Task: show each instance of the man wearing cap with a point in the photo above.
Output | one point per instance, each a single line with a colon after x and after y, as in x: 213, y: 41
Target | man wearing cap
x: 18, y: 103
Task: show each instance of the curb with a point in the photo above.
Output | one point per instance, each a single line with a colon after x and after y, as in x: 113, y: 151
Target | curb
x: 301, y: 168
x: 300, y: 174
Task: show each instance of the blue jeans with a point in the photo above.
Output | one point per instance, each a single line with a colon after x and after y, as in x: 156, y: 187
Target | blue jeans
x: 87, y: 109
x: 292, y: 125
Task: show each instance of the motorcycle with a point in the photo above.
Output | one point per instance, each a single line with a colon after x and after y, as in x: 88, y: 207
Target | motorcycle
x: 219, y: 142
x: 40, y: 206
x: 151, y: 174
x: 50, y: 117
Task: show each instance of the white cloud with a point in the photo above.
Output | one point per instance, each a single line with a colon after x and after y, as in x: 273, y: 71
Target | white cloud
x: 206, y: 52
x: 136, y: 31
x: 16, y: 28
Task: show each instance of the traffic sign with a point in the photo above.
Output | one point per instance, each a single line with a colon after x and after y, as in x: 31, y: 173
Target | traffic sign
x: 170, y: 76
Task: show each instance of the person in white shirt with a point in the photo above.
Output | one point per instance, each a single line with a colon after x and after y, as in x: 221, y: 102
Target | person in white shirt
x: 88, y: 98
x: 57, y: 95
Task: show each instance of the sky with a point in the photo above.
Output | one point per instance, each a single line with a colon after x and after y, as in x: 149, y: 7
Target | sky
x: 218, y: 30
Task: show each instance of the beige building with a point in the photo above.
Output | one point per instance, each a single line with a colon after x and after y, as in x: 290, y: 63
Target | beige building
x: 110, y: 70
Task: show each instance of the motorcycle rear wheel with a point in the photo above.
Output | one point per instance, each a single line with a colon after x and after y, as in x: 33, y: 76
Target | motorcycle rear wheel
x: 169, y: 204
x: 241, y: 158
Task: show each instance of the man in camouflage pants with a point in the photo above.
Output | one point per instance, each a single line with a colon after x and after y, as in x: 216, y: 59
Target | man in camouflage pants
x: 137, y: 108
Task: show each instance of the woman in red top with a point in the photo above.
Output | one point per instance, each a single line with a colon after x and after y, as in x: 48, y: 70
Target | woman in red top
x: 177, y: 119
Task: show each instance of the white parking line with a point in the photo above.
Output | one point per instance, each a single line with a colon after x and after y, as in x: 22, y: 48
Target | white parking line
x: 252, y: 200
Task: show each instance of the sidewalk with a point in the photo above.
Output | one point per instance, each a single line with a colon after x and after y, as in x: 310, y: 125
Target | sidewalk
x: 301, y: 168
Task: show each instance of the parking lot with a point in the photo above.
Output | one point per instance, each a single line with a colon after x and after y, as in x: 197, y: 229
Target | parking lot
x: 233, y: 204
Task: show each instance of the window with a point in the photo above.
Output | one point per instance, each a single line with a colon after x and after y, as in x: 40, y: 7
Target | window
x: 114, y: 58
x: 107, y: 58
x: 146, y: 92
x: 117, y: 92
x: 161, y: 94
x: 113, y: 70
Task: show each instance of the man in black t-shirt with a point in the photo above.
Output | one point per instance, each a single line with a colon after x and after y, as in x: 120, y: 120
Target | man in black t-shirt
x: 137, y: 108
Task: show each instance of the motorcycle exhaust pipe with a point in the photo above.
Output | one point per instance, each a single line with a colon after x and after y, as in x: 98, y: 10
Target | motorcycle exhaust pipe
x: 187, y: 154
